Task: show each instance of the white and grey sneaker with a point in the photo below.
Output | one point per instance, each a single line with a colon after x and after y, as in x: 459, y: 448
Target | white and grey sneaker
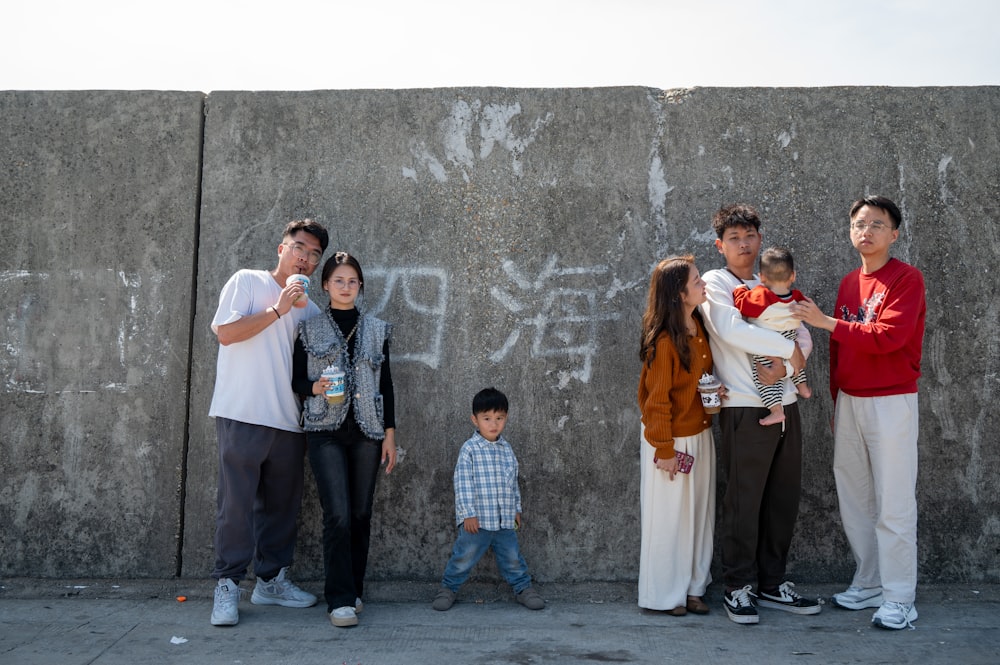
x: 895, y: 616
x: 343, y: 617
x: 858, y: 598
x: 225, y: 610
x: 281, y: 591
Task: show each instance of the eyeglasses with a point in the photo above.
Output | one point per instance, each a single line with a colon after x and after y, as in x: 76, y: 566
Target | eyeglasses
x: 876, y: 226
x: 341, y: 283
x: 299, y: 251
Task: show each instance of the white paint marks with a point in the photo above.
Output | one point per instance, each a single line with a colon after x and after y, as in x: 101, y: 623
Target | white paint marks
x: 424, y: 291
x: 786, y: 136
x: 470, y: 134
x: 426, y: 159
x: 40, y: 355
x: 657, y: 187
x: 564, y: 317
x: 942, y: 173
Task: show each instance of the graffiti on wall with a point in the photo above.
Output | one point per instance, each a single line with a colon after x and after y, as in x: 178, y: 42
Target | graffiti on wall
x: 471, y: 133
x: 109, y: 347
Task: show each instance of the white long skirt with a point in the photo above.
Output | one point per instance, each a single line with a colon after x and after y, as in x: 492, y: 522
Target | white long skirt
x: 678, y: 525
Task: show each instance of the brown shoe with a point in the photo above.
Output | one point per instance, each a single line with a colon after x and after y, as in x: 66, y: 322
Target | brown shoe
x: 678, y: 611
x: 696, y: 605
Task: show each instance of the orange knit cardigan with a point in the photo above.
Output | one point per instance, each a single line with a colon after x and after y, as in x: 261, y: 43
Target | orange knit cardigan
x: 668, y: 394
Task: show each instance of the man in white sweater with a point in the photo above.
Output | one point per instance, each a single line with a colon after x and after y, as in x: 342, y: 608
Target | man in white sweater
x: 763, y: 463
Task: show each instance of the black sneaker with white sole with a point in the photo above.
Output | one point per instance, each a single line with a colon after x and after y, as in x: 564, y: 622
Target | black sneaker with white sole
x: 785, y: 598
x: 740, y: 606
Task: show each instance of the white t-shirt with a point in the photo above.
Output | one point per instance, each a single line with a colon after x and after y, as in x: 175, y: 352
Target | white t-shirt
x: 733, y: 340
x: 253, y: 379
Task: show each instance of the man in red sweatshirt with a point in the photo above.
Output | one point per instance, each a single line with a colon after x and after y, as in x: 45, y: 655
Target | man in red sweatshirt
x: 875, y: 347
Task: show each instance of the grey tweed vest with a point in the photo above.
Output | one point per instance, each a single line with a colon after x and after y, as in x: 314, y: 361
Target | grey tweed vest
x: 325, y: 345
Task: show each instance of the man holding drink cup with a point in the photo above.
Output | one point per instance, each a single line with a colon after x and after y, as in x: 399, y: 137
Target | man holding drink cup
x: 261, y: 445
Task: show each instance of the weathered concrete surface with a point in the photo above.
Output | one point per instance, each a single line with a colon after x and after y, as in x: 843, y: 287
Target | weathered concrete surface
x: 81, y: 622
x: 508, y: 234
x: 98, y: 206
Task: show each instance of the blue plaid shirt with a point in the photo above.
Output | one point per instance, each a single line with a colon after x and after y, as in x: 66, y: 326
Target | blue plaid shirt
x: 486, y: 483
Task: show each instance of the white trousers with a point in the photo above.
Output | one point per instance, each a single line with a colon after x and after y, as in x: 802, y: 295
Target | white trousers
x: 678, y: 525
x: 875, y: 466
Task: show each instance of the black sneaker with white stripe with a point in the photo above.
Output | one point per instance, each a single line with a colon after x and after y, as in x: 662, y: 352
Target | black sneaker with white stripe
x: 785, y: 598
x: 740, y: 606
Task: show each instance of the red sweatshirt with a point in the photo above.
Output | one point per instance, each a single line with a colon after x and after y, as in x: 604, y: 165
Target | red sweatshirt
x: 875, y: 348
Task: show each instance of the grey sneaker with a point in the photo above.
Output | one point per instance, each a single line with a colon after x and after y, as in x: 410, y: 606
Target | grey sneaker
x: 895, y: 616
x: 225, y: 610
x: 281, y: 591
x: 858, y: 598
x: 786, y: 598
x: 444, y: 599
x: 530, y: 599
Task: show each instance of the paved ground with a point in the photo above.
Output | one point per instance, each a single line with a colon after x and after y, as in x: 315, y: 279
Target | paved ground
x: 127, y: 622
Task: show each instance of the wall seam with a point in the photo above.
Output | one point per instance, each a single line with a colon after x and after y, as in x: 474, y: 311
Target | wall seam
x: 186, y: 443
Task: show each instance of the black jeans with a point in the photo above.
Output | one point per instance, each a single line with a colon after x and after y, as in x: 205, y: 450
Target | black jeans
x: 761, y: 502
x: 345, y: 464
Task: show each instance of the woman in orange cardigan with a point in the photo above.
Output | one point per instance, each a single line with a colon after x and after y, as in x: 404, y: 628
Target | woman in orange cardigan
x: 677, y: 505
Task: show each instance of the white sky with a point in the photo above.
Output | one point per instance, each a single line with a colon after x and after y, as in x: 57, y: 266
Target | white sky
x: 310, y: 44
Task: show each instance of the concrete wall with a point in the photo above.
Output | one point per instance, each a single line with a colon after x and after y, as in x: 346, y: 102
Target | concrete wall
x: 98, y: 206
x: 509, y: 235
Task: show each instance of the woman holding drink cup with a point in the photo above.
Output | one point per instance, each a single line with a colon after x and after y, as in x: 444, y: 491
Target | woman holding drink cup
x: 341, y: 369
x: 677, y: 485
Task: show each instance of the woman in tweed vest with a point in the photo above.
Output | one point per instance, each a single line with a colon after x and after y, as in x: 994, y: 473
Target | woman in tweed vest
x: 348, y: 438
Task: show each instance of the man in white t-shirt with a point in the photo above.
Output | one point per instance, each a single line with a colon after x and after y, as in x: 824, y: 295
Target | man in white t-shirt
x: 261, y: 445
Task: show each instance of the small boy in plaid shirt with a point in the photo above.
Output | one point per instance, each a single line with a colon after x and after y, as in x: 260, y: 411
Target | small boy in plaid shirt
x: 487, y: 506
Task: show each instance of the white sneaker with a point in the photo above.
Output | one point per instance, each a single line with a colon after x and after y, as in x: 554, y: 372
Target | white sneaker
x: 225, y: 610
x: 858, y: 598
x: 281, y: 591
x: 895, y: 616
x: 358, y: 606
x: 342, y: 617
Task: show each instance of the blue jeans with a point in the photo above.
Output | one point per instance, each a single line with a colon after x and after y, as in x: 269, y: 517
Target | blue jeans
x: 470, y: 548
x: 345, y: 465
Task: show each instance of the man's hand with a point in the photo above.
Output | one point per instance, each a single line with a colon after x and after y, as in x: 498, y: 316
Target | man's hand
x: 289, y: 295
x: 776, y: 372
x: 771, y: 374
x: 808, y: 312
